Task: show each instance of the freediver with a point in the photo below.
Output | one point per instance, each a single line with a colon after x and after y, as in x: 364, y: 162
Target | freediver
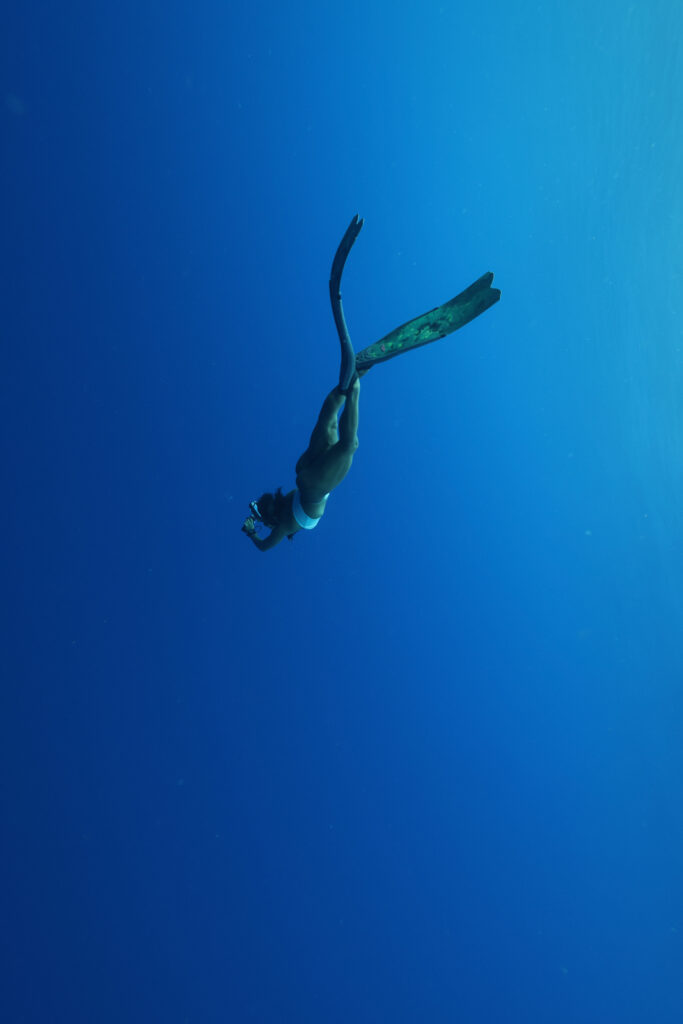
x: 334, y: 440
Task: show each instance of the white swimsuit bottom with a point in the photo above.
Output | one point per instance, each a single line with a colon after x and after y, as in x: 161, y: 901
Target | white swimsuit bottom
x: 304, y: 521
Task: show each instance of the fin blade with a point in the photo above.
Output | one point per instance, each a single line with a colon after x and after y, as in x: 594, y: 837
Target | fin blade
x: 437, y: 323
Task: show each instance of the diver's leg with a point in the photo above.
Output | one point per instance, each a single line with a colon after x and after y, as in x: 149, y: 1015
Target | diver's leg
x: 325, y: 431
x: 333, y: 466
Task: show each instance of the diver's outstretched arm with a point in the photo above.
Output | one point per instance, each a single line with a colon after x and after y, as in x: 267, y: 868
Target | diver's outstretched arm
x: 277, y: 534
x: 348, y: 358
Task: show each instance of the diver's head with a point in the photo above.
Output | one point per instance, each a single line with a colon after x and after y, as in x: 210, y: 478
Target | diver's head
x: 266, y: 508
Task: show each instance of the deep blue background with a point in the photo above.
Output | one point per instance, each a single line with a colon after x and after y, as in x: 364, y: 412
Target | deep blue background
x: 424, y: 764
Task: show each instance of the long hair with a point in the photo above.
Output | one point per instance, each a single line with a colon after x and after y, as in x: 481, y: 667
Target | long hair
x: 272, y: 508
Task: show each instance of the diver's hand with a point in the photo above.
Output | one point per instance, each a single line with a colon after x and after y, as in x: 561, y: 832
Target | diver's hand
x: 248, y: 527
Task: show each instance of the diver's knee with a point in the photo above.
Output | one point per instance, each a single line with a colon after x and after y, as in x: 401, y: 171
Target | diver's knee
x: 351, y: 446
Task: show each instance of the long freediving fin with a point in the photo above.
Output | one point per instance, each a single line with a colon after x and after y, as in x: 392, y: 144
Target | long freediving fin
x: 431, y: 326
x: 347, y: 371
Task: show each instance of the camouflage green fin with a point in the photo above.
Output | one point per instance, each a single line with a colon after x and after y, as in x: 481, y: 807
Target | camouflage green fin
x: 431, y: 326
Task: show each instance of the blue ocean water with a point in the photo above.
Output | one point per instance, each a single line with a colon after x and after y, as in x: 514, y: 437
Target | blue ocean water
x: 425, y: 763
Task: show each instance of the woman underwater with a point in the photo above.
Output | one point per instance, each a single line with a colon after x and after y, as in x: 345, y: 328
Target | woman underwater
x: 334, y: 440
